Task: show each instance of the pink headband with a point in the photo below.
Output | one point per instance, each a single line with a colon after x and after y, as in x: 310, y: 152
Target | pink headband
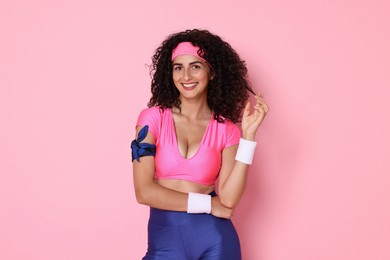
x: 186, y: 48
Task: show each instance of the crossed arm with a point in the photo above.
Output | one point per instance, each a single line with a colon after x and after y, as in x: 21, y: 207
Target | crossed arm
x: 150, y: 193
x: 232, y: 176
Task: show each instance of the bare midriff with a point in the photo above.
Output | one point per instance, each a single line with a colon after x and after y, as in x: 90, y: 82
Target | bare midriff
x: 185, y: 186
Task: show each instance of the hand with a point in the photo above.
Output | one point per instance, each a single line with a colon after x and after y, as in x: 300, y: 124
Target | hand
x: 251, y: 122
x: 218, y: 210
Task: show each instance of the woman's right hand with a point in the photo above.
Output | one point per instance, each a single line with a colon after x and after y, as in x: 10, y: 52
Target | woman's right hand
x: 219, y: 210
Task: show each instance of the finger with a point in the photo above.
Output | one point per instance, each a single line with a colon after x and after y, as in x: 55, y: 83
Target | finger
x: 259, y: 95
x: 257, y: 109
x: 260, y: 102
x: 247, y: 109
x: 264, y: 105
x: 259, y: 99
x: 259, y: 112
x: 266, y: 108
x: 260, y: 105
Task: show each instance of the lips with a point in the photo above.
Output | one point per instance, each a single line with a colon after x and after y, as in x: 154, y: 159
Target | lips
x: 189, y: 86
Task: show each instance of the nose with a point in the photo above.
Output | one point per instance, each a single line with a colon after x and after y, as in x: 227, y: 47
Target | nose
x: 187, y: 74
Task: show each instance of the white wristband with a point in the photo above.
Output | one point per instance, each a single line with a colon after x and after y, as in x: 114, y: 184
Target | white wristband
x: 245, y: 151
x: 199, y: 203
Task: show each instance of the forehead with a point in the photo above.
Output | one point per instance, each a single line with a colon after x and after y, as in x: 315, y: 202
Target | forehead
x: 186, y: 59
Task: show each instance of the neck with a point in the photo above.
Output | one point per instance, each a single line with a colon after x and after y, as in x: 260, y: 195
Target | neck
x: 195, y: 109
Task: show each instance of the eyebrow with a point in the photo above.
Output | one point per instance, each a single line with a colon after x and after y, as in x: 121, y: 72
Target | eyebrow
x: 191, y: 63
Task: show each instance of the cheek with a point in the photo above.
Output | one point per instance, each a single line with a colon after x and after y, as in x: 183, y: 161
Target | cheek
x: 175, y: 76
x: 206, y: 76
x: 175, y: 79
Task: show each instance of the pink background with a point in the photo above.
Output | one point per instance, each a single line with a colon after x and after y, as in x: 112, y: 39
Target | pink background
x: 73, y: 80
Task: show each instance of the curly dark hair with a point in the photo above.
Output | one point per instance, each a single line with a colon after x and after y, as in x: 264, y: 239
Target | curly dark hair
x: 227, y: 91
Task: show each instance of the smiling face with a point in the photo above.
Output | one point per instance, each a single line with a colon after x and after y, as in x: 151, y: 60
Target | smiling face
x: 191, y: 76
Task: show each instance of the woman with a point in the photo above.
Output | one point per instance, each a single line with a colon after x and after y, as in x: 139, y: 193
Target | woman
x: 186, y: 139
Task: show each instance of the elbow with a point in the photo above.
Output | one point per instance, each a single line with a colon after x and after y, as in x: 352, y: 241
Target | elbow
x: 145, y: 193
x: 142, y: 197
x: 228, y: 202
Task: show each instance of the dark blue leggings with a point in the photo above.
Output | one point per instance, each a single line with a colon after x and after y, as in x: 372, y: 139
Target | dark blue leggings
x: 176, y: 235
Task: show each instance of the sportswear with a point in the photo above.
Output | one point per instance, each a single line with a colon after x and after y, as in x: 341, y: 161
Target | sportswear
x: 203, y: 167
x: 181, y: 236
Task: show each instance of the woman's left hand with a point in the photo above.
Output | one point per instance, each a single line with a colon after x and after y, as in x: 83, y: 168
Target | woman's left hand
x: 251, y: 122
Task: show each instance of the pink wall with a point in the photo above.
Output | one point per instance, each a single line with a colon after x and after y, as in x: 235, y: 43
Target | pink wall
x: 73, y: 79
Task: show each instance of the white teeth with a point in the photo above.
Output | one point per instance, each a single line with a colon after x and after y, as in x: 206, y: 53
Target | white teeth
x: 189, y: 85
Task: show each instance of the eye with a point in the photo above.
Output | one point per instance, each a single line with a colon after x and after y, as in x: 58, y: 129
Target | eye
x: 196, y: 67
x: 177, y: 68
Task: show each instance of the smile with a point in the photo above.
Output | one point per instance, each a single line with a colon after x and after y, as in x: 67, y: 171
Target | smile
x: 189, y: 85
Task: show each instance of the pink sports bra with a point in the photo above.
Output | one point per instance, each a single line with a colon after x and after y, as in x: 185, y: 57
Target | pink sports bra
x: 203, y: 167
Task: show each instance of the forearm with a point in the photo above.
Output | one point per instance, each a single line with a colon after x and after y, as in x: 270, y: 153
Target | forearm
x: 235, y: 173
x: 160, y: 197
x: 154, y: 195
x: 232, y: 189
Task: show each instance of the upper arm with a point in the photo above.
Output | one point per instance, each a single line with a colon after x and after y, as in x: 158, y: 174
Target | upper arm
x: 233, y: 135
x: 143, y: 171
